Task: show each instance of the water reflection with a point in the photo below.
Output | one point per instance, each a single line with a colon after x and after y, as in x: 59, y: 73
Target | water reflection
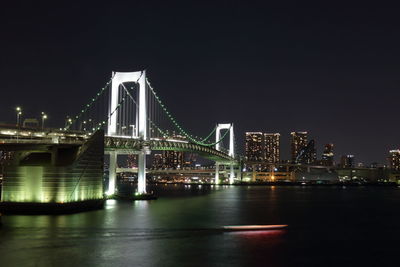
x: 110, y: 204
x: 181, y: 228
x: 262, y: 233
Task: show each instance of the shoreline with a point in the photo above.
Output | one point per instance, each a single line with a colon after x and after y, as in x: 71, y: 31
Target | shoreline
x: 50, y: 208
x: 377, y: 184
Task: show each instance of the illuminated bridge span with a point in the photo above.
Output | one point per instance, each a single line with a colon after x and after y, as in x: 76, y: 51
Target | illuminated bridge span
x: 123, y: 145
x: 126, y: 116
x: 127, y: 145
x: 136, y: 121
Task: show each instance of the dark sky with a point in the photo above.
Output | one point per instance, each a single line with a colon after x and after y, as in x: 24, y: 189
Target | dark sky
x: 332, y: 71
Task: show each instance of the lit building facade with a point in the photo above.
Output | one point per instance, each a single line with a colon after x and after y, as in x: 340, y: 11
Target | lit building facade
x: 254, y: 147
x: 298, y: 141
x: 308, y: 154
x: 172, y: 159
x: 157, y: 161
x: 132, y: 161
x: 394, y: 159
x: 328, y: 155
x: 272, y: 147
x: 311, y: 153
x: 347, y: 161
x: 190, y: 160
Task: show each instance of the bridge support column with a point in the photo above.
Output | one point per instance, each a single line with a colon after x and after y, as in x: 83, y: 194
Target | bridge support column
x: 142, y: 172
x: 232, y: 175
x: 239, y: 174
x: 112, y: 173
x: 216, y: 173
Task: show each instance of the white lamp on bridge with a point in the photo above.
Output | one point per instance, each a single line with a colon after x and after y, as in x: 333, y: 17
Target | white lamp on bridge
x: 44, y: 116
x: 19, y: 113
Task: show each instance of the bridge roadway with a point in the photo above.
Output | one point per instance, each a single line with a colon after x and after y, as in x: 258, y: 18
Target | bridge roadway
x: 126, y: 145
x: 173, y: 171
x: 287, y: 166
x: 12, y: 137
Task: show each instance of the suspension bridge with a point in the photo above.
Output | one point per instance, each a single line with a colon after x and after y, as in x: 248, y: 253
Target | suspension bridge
x: 135, y: 121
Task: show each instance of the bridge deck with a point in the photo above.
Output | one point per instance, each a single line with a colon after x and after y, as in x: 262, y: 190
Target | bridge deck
x: 12, y: 137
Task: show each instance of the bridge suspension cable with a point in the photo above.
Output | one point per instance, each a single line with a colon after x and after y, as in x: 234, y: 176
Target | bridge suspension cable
x: 84, y: 110
x: 124, y: 112
x: 93, y: 115
x: 152, y: 109
x: 180, y: 129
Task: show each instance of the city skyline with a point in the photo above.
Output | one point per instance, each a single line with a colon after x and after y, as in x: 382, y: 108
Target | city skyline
x: 287, y: 153
x: 321, y: 153
x: 329, y: 71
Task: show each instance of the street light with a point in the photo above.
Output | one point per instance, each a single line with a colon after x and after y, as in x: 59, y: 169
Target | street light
x: 44, y: 116
x: 19, y: 113
x: 68, y: 122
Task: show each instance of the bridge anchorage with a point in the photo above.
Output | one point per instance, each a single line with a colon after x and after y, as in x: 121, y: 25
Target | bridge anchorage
x: 137, y: 122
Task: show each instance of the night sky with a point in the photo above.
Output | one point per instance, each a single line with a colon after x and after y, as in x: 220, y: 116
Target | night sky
x: 332, y: 71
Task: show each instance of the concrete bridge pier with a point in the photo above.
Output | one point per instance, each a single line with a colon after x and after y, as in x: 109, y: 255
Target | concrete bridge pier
x: 112, y: 173
x: 142, y: 172
x: 239, y: 173
x: 216, y: 173
x: 232, y: 174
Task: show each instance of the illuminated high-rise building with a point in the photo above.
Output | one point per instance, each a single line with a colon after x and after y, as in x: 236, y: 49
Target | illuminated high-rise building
x: 298, y: 141
x: 394, y: 159
x: 347, y: 161
x: 157, y: 161
x: 172, y: 159
x: 132, y: 161
x: 272, y: 147
x: 190, y: 160
x: 254, y: 146
x: 310, y: 153
x: 327, y: 156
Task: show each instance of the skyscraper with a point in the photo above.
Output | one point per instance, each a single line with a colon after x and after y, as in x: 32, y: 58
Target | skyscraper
x: 190, y: 160
x: 157, y: 161
x: 310, y: 156
x: 132, y: 161
x: 327, y: 156
x: 172, y: 159
x: 254, y: 146
x: 394, y: 159
x: 272, y: 147
x: 347, y: 161
x: 298, y: 141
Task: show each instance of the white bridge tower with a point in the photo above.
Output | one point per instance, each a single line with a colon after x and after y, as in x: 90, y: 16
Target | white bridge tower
x: 119, y: 78
x: 231, y: 150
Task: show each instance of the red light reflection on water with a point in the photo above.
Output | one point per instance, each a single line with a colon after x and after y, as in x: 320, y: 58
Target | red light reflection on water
x: 260, y: 233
